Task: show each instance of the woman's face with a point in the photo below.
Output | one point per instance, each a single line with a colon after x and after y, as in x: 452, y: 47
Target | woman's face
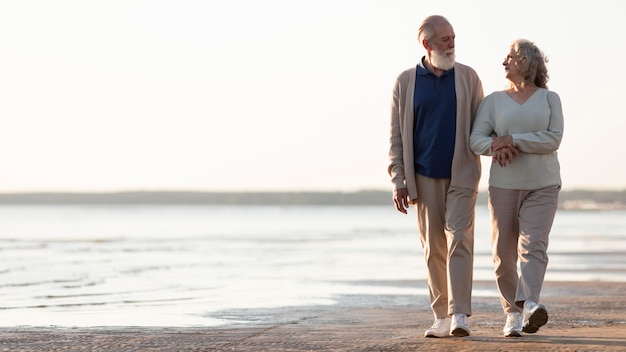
x: 510, y: 65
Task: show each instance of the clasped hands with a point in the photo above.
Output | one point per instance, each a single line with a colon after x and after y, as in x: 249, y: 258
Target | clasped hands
x: 502, y: 150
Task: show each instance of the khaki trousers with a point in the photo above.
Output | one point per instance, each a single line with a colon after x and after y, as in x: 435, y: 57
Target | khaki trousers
x: 445, y: 218
x: 520, y: 227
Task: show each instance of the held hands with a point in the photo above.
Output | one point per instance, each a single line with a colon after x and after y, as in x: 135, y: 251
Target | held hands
x: 503, y: 150
x: 401, y: 199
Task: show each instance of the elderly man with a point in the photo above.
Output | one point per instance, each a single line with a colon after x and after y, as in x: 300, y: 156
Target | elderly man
x: 432, y: 167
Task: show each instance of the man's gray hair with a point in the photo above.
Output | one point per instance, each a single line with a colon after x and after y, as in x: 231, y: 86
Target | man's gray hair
x: 427, y: 28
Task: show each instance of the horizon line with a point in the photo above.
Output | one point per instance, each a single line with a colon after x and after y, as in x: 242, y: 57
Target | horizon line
x: 174, y: 190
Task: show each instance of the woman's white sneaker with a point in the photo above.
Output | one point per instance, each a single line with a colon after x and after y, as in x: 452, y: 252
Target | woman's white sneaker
x: 440, y: 328
x: 534, y: 316
x: 459, y: 326
x: 513, y: 325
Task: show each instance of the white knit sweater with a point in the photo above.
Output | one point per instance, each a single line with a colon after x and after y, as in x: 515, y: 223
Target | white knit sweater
x: 537, y: 129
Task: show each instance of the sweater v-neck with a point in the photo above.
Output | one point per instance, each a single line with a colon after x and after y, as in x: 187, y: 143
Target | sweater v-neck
x: 525, y: 101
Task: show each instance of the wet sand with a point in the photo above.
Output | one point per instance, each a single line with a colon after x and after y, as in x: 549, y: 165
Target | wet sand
x: 584, y: 316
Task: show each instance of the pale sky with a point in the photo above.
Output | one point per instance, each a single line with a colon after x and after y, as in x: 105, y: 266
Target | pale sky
x: 272, y: 95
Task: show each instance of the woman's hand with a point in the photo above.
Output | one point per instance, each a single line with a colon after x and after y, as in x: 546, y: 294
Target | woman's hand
x: 504, y: 155
x: 502, y: 142
x: 503, y: 150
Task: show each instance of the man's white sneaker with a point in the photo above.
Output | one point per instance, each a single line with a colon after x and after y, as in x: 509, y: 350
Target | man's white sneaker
x: 459, y: 327
x: 440, y: 328
x: 534, y: 316
x: 513, y: 326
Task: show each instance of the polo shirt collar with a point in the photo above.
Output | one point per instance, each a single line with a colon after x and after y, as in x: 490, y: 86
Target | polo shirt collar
x: 421, y: 70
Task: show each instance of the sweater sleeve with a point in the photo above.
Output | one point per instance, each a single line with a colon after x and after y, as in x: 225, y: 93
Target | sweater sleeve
x: 544, y: 141
x: 482, y: 129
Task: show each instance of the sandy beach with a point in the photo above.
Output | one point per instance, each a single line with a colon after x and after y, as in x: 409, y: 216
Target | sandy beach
x: 584, y: 316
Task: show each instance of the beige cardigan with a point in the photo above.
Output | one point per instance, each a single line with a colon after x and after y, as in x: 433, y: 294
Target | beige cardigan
x: 466, y: 168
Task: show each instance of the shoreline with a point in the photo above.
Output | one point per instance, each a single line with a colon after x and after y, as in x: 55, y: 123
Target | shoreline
x: 584, y: 316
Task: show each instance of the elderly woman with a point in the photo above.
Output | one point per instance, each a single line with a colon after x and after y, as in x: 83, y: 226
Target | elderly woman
x: 521, y: 129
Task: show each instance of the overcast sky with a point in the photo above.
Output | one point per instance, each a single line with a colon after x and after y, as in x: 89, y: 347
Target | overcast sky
x: 272, y: 95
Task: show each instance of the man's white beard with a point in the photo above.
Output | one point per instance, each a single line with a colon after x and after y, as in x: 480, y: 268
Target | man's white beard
x: 443, y: 60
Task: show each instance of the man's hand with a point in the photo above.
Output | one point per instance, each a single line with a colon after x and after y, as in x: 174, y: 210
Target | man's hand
x: 401, y: 199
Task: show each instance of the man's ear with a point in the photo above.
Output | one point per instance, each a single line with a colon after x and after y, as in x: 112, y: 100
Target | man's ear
x: 426, y: 45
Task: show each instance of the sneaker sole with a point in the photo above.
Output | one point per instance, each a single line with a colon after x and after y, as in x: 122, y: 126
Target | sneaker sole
x: 435, y: 335
x: 513, y: 334
x: 432, y: 336
x: 460, y: 332
x: 536, y: 320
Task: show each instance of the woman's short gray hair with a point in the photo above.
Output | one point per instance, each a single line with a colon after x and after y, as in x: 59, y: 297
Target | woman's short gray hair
x: 531, y: 62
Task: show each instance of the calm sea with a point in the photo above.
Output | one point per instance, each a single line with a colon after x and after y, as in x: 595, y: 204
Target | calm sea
x: 178, y: 265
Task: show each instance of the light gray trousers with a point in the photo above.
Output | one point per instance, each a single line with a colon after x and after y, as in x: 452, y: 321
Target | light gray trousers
x: 445, y: 218
x: 521, y: 221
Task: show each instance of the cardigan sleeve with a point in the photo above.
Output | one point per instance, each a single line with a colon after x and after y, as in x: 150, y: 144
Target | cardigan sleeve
x: 396, y: 160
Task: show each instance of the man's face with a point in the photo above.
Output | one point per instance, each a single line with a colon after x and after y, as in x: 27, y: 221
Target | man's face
x: 443, y: 40
x: 441, y: 47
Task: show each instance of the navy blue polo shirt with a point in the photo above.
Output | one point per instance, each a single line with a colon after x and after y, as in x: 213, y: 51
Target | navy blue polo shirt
x: 434, y: 104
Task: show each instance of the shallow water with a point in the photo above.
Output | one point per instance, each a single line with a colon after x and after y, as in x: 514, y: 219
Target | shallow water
x: 178, y: 265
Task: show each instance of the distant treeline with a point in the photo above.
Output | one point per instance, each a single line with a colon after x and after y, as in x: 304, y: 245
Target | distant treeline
x: 202, y: 198
x: 364, y: 197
